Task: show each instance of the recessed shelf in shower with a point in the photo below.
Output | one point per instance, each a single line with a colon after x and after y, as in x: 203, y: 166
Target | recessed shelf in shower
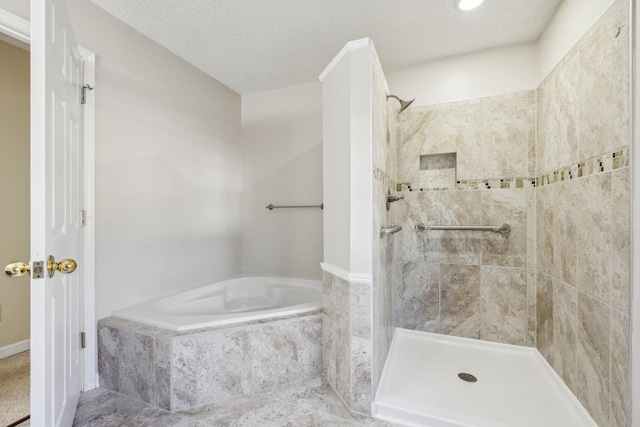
x: 438, y: 170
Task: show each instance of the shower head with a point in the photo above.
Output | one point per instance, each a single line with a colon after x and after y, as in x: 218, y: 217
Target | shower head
x: 403, y: 104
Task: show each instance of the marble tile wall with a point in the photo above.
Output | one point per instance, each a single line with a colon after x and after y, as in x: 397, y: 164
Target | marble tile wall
x: 582, y: 212
x: 180, y: 370
x: 493, y: 138
x: 385, y: 271
x: 468, y: 283
x: 583, y: 105
x: 347, y: 340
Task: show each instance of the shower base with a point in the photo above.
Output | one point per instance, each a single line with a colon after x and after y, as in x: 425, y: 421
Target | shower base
x: 515, y: 387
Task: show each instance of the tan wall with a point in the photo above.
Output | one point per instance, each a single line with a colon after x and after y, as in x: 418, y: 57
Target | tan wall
x: 14, y: 186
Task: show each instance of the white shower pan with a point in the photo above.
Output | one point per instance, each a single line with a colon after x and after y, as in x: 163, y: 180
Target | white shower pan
x: 515, y: 386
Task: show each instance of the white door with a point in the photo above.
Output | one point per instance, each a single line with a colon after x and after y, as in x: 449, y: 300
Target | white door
x: 56, y: 219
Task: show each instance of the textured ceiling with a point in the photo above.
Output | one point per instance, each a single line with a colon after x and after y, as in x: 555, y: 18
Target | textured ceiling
x: 256, y: 45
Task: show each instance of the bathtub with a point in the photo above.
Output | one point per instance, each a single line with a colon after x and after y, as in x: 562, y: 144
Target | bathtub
x: 232, y: 300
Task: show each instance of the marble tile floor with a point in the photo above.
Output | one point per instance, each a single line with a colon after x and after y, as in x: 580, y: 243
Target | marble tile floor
x: 310, y: 402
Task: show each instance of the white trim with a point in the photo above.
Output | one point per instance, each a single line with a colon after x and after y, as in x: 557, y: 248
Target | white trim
x: 345, y: 275
x: 15, y: 27
x: 90, y: 365
x: 20, y: 29
x: 352, y: 45
x: 12, y: 349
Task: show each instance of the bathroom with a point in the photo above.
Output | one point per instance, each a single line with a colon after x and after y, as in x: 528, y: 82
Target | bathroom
x: 137, y: 189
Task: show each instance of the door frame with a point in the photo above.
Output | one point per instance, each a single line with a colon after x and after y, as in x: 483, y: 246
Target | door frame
x: 17, y: 30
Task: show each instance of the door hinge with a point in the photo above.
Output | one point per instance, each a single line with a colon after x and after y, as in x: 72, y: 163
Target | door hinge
x: 83, y: 217
x: 83, y: 340
x: 83, y: 99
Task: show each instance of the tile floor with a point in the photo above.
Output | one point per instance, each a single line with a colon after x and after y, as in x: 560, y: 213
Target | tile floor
x: 309, y: 402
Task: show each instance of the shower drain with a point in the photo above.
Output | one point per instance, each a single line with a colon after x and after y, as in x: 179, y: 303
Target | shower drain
x: 467, y: 377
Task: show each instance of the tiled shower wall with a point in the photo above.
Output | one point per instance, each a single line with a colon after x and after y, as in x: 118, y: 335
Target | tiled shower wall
x: 469, y: 283
x: 554, y: 165
x: 583, y: 218
x: 385, y: 266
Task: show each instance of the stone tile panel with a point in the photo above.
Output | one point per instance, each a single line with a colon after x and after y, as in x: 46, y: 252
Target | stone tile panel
x: 593, y: 357
x: 503, y: 313
x: 460, y: 300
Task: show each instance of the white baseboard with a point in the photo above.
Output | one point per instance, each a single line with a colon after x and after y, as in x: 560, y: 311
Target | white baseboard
x: 91, y: 383
x: 11, y: 349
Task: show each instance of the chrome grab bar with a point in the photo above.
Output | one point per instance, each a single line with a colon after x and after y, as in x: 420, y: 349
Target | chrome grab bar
x: 271, y: 207
x: 502, y: 229
x: 391, y: 230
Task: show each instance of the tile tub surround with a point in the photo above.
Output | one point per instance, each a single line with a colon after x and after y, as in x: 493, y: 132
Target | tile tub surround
x: 178, y: 370
x: 309, y: 402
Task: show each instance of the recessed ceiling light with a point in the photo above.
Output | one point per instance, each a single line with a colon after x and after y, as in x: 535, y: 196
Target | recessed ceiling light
x: 468, y: 4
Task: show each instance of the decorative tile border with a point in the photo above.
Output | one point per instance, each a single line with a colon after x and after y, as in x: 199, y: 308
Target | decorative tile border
x: 487, y: 184
x: 477, y: 184
x: 600, y: 164
x: 380, y: 176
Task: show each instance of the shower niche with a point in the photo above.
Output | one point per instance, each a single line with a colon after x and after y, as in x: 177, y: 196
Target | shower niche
x: 438, y: 171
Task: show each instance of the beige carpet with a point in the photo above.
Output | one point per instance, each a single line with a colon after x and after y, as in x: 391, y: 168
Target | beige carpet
x: 14, y: 388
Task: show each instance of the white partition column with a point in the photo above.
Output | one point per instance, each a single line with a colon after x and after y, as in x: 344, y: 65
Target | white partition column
x: 348, y: 223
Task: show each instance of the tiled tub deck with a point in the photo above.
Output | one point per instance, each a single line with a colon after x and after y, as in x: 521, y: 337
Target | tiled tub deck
x: 179, y: 370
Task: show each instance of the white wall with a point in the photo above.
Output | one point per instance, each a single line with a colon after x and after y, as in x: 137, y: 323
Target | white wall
x: 168, y: 165
x: 479, y: 74
x: 361, y: 113
x: 337, y: 173
x: 282, y: 165
x: 347, y: 159
x: 501, y: 70
x: 22, y: 8
x: 571, y: 20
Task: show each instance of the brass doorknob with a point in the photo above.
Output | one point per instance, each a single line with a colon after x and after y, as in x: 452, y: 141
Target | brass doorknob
x: 17, y: 269
x: 65, y: 266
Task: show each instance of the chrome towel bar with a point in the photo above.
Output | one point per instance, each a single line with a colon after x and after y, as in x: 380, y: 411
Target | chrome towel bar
x: 271, y: 207
x: 391, y: 230
x: 502, y: 229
